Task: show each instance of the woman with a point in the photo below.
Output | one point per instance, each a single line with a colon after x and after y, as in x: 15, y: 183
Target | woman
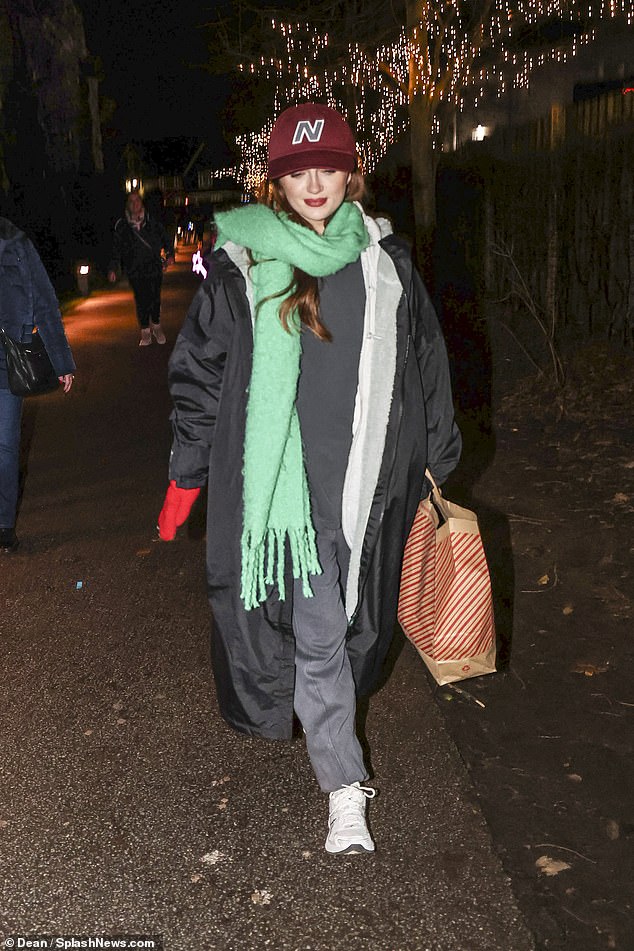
x: 311, y: 389
x: 137, y: 245
x: 27, y: 300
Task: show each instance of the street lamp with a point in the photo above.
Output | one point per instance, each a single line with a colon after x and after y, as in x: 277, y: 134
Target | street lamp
x: 82, y: 276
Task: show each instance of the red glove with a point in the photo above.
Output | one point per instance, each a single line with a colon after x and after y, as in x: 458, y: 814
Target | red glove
x: 176, y: 508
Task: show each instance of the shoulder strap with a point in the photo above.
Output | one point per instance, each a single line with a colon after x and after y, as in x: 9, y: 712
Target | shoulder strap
x: 141, y: 239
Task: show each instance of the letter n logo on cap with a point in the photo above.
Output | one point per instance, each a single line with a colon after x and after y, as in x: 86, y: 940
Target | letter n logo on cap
x: 311, y: 131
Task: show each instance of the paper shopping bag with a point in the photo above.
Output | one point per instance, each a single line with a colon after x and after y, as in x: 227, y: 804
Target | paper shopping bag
x: 445, y: 606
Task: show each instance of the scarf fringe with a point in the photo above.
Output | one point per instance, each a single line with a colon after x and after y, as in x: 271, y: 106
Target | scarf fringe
x: 263, y: 563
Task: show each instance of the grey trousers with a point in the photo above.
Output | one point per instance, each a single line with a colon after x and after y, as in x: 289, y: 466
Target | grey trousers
x: 325, y: 699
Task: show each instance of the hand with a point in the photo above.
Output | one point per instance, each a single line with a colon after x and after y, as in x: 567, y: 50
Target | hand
x: 66, y: 381
x: 176, y: 508
x: 112, y: 276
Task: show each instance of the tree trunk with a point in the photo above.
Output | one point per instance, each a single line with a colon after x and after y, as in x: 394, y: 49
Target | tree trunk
x: 552, y: 262
x: 628, y: 327
x: 424, y: 164
x: 6, y: 74
x: 53, y: 46
x: 95, y: 123
x: 421, y: 118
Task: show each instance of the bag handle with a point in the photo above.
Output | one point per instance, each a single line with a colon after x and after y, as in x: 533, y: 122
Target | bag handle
x: 436, y: 499
x: 431, y: 480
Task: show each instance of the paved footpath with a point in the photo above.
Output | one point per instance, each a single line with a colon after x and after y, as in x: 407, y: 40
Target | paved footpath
x: 126, y: 805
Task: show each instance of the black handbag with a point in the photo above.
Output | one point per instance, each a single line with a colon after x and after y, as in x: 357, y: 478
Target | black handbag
x: 29, y: 367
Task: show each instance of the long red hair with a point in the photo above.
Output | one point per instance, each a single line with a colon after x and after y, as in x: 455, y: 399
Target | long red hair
x: 303, y: 291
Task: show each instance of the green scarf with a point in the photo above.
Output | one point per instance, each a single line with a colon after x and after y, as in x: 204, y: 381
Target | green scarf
x: 276, y: 502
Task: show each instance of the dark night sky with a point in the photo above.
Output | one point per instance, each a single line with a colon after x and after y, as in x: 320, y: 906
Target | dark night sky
x: 150, y: 51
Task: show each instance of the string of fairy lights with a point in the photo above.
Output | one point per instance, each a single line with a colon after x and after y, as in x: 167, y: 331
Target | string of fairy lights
x: 446, y: 58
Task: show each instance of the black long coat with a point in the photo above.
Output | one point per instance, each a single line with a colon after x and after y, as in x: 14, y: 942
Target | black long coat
x: 253, y: 651
x: 137, y: 252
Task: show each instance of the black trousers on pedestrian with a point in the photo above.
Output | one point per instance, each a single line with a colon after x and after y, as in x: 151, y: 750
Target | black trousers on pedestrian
x: 146, y: 287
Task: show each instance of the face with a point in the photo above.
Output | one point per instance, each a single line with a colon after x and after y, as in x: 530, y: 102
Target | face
x: 315, y: 194
x: 135, y: 205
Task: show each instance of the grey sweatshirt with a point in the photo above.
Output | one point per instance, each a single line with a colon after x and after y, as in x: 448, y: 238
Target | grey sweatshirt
x: 327, y: 389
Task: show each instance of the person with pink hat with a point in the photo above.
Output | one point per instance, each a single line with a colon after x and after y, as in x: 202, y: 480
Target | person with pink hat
x: 310, y: 386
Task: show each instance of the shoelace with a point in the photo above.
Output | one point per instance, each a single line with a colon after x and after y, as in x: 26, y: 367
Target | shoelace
x: 350, y: 806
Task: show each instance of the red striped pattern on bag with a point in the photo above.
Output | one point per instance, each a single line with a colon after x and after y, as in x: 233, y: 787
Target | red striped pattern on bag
x: 416, y: 602
x: 444, y: 603
x: 464, y: 617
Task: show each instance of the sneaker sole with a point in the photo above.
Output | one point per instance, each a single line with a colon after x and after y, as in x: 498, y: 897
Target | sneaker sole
x: 354, y: 849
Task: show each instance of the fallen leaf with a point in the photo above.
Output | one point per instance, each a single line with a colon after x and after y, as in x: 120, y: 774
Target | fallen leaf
x: 621, y: 497
x: 143, y: 551
x: 613, y: 830
x: 575, y: 778
x: 550, y: 866
x: 212, y: 858
x: 221, y: 782
x: 261, y: 897
x: 196, y: 877
x: 588, y: 670
x: 568, y: 609
x: 543, y: 580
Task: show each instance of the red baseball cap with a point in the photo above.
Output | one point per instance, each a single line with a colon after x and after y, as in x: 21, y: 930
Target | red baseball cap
x: 310, y: 136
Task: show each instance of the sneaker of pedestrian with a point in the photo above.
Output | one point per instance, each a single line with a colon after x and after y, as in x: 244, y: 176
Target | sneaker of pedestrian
x: 347, y: 827
x: 146, y: 337
x: 157, y: 330
x: 8, y: 540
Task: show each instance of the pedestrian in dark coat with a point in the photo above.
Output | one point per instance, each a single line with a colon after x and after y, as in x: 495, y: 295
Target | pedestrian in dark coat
x: 27, y: 301
x: 139, y: 242
x: 311, y: 390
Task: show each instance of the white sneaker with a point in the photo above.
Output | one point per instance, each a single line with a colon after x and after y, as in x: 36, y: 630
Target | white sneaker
x: 146, y: 337
x: 157, y: 330
x: 347, y: 828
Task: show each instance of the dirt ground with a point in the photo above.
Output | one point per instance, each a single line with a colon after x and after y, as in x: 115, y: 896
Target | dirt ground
x: 548, y: 739
x: 126, y: 805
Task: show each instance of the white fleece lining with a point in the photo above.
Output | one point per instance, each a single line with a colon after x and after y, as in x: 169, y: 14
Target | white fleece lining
x: 377, y: 368
x: 240, y: 257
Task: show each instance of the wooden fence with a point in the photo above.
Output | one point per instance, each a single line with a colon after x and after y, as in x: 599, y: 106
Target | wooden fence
x: 557, y: 217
